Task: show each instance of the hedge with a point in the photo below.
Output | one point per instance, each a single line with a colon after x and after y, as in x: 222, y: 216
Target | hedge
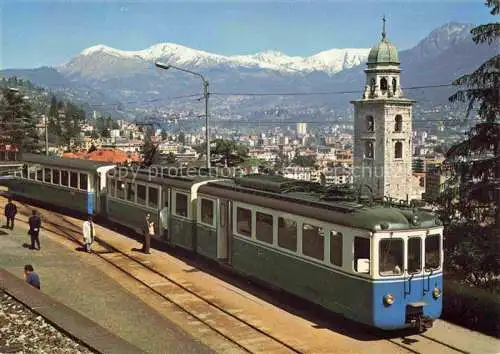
x: 470, y: 307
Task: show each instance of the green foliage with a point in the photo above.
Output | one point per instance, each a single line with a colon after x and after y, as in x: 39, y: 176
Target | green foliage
x: 151, y: 155
x: 18, y: 125
x: 470, y: 307
x: 169, y: 158
x: 304, y: 160
x: 105, y: 125
x: 471, y: 195
x: 228, y: 152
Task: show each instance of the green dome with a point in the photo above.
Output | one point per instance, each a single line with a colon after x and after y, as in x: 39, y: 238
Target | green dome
x: 383, y: 53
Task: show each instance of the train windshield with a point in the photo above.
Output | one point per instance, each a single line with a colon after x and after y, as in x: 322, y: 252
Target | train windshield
x: 414, y: 255
x: 391, y: 257
x: 432, y: 252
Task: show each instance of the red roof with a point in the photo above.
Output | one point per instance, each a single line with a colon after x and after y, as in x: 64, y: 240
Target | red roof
x: 106, y: 155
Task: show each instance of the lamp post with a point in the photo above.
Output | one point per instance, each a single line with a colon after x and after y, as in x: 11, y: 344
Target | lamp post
x: 205, y: 95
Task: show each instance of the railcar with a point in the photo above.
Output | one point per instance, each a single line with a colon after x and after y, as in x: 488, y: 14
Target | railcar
x: 74, y: 184
x: 378, y: 265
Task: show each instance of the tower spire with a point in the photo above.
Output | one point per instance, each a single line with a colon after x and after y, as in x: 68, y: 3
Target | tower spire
x: 383, y: 28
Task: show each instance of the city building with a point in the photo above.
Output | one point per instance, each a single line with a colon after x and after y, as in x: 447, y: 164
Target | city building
x: 301, y: 129
x: 383, y: 127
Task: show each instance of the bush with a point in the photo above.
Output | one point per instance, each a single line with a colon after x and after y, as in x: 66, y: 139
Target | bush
x: 471, y: 307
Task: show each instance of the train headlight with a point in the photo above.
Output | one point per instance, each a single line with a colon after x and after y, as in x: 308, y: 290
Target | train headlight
x: 436, y: 293
x: 389, y: 299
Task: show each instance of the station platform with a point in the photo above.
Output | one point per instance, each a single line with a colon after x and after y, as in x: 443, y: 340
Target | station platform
x: 128, y: 310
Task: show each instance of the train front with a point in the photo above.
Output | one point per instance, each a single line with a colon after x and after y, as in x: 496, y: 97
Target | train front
x: 408, y: 277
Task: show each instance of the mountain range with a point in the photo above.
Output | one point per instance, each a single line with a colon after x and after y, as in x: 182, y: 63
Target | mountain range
x: 127, y: 82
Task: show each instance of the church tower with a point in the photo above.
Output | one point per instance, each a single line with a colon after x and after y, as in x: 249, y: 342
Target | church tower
x: 382, y: 153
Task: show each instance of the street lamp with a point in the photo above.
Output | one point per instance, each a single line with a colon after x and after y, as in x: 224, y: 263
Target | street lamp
x: 205, y: 95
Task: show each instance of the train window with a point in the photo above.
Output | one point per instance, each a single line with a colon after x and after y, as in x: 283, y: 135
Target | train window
x: 414, y: 255
x: 336, y: 248
x: 39, y: 174
x: 264, y: 227
x: 391, y: 257
x: 47, y: 175
x: 111, y: 187
x: 120, y: 189
x: 244, y: 222
x: 207, y: 211
x: 55, y: 176
x: 73, y: 179
x: 32, y: 172
x: 287, y: 234
x: 84, y: 181
x: 153, y: 197
x: 361, y: 254
x: 131, y: 192
x: 64, y: 178
x: 181, y: 204
x: 141, y: 194
x: 432, y: 252
x: 313, y: 243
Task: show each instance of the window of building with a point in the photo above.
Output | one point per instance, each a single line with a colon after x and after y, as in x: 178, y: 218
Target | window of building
x: 287, y: 234
x: 55, y: 176
x: 84, y: 181
x: 368, y: 150
x: 391, y: 257
x: 361, y: 254
x: 120, y: 189
x: 244, y: 222
x: 421, y: 182
x: 394, y: 85
x: 131, y: 192
x: 313, y: 243
x: 73, y: 179
x: 370, y: 124
x: 414, y: 255
x: 432, y: 252
x: 264, y: 227
x: 64, y: 178
x: 181, y: 204
x: 398, y: 123
x: 39, y: 174
x: 153, y: 197
x: 383, y: 84
x: 141, y: 194
x: 25, y: 171
x: 336, y: 248
x: 372, y: 86
x: 207, y: 211
x: 398, y: 150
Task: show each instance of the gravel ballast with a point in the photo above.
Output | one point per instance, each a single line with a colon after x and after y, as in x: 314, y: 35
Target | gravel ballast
x: 23, y: 331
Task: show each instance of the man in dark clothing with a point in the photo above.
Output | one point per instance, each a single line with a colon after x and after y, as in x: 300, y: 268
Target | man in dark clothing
x: 35, y: 223
x: 10, y: 214
x: 31, y: 277
x: 148, y: 230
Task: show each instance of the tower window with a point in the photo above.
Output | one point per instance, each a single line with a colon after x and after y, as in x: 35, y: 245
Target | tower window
x: 369, y: 150
x: 398, y: 123
x: 372, y: 87
x: 398, y: 150
x: 370, y: 124
x: 394, y: 85
x: 383, y: 84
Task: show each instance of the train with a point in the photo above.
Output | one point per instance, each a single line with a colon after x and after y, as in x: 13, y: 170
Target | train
x: 376, y: 264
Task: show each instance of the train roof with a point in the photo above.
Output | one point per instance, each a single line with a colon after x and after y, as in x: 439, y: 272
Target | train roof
x: 77, y: 164
x: 309, y: 199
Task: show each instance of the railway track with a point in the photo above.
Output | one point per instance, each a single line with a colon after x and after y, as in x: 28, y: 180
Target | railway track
x: 243, y: 334
x: 422, y: 343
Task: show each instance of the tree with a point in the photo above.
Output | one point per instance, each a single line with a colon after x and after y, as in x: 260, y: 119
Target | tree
x: 304, y: 160
x: 229, y: 153
x: 18, y: 126
x: 182, y: 138
x: 471, y: 196
x: 150, y: 152
x: 169, y: 158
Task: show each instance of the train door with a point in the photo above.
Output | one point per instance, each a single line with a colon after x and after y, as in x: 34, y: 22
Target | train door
x: 224, y: 237
x: 165, y: 213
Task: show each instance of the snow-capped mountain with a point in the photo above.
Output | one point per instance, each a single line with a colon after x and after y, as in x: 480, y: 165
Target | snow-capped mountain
x: 92, y: 61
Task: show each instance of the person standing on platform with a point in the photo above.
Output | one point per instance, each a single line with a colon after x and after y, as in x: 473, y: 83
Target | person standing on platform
x: 149, y: 230
x: 88, y: 234
x: 31, y: 276
x: 35, y: 224
x: 10, y: 214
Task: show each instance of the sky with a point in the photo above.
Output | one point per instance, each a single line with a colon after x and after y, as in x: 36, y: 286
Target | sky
x: 50, y: 32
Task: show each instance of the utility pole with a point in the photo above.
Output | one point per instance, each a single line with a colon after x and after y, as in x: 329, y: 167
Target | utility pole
x: 207, y: 132
x: 46, y: 135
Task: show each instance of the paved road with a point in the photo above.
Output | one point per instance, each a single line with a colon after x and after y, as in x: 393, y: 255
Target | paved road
x: 68, y: 278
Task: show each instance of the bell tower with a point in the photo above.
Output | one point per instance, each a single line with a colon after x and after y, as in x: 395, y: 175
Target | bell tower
x: 382, y: 156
